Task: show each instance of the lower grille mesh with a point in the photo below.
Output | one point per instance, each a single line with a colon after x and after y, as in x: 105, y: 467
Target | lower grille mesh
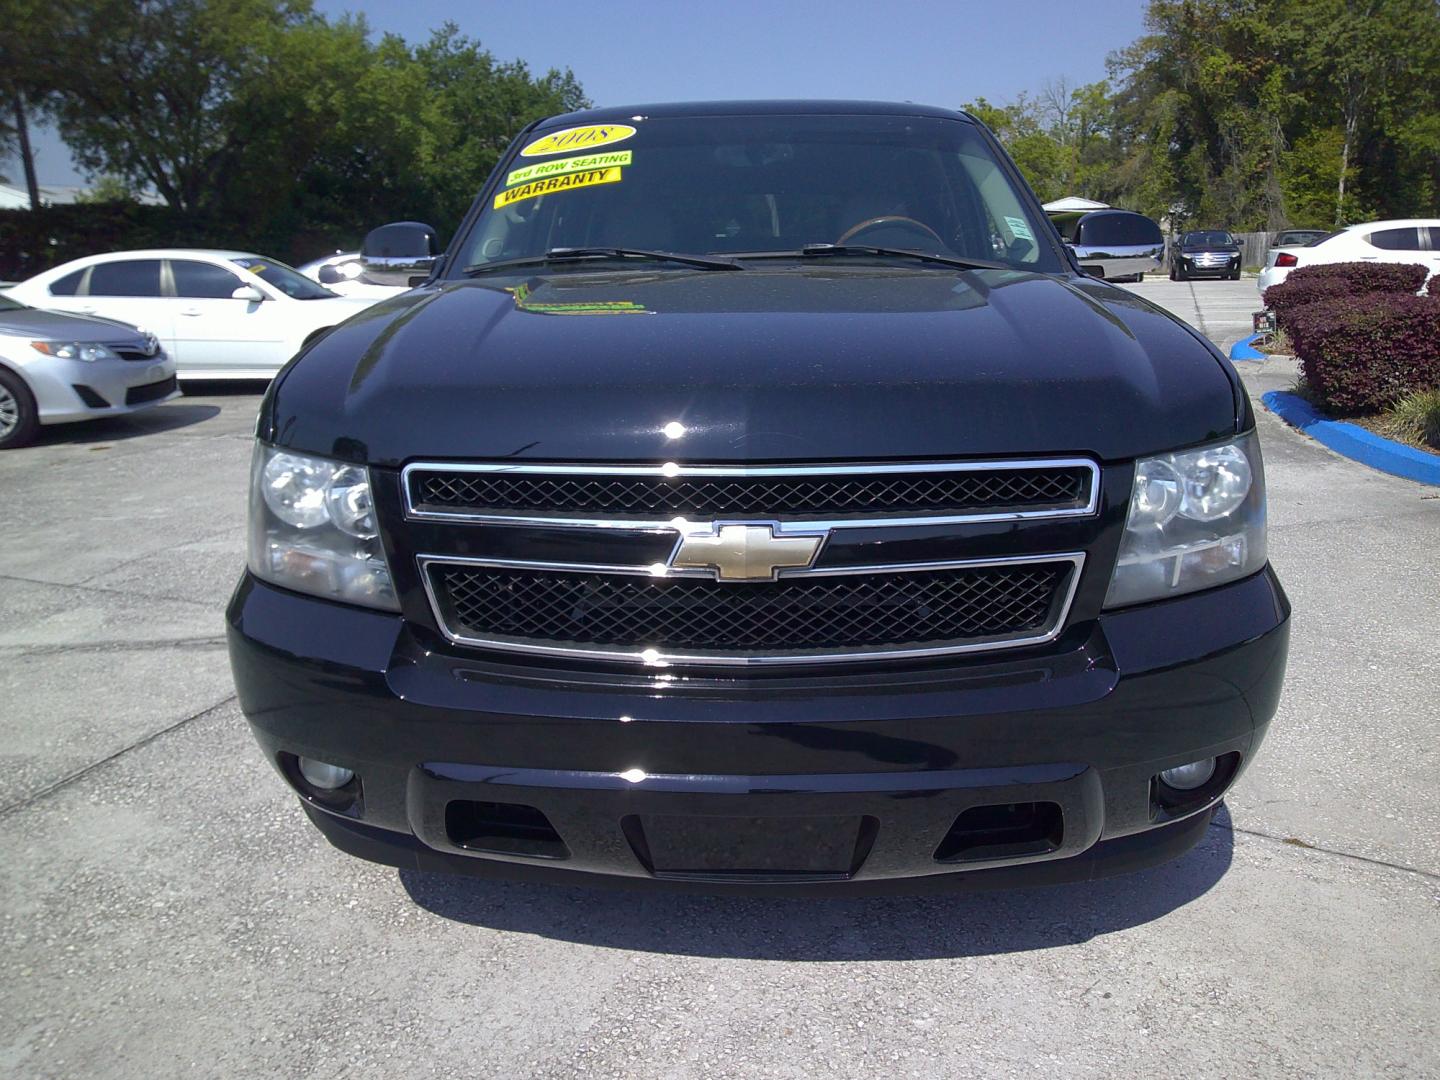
x: 853, y: 611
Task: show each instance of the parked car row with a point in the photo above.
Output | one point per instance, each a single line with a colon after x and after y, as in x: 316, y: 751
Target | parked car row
x: 111, y: 334
x: 218, y: 314
x: 1120, y: 245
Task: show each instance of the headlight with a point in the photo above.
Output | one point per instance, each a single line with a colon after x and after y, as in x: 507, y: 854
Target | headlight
x: 88, y: 351
x: 1197, y: 519
x: 313, y: 528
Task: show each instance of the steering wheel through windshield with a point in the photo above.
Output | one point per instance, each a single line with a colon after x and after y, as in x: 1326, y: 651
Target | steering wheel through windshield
x: 889, y: 221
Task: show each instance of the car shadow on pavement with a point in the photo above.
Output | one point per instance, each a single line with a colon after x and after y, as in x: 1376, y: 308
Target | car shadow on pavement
x: 889, y: 928
x: 107, y: 429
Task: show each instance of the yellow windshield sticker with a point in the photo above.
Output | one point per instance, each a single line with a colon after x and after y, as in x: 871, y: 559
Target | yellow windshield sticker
x: 565, y: 182
x: 578, y: 138
x: 568, y: 165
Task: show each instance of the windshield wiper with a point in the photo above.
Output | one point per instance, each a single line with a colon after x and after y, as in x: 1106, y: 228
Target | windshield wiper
x: 576, y: 254
x: 811, y: 251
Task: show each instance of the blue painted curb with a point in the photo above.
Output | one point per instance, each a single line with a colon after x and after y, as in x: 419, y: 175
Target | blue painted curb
x: 1354, y: 441
x: 1242, y: 350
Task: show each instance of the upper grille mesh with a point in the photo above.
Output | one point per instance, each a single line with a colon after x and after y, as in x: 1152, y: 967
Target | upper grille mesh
x: 840, y: 494
x: 799, y: 613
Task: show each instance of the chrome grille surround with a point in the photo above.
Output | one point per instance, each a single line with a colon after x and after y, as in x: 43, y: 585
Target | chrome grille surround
x: 434, y: 566
x: 894, y: 516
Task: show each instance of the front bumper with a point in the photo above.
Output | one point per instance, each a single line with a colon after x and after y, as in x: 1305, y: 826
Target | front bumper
x: 810, y: 783
x: 1213, y: 268
x: 113, y: 384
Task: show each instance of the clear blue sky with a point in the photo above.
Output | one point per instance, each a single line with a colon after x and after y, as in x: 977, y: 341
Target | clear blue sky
x: 626, y: 52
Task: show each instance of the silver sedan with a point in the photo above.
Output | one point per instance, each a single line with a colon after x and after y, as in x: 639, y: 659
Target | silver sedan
x: 57, y: 368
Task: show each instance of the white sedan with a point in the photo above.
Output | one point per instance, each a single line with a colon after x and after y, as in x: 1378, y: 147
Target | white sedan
x: 1413, y: 240
x: 218, y: 314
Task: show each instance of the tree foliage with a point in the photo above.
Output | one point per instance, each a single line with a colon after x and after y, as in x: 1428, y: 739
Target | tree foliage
x: 268, y: 113
x: 1249, y: 114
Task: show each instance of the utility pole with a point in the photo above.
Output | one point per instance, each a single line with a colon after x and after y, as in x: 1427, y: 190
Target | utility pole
x: 22, y: 132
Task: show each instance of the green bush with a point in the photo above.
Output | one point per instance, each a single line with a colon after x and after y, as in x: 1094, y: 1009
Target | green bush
x: 1362, y: 354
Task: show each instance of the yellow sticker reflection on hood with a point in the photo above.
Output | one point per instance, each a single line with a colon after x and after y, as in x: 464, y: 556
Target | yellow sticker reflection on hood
x: 575, y: 307
x: 568, y: 164
x: 578, y: 138
x: 565, y: 182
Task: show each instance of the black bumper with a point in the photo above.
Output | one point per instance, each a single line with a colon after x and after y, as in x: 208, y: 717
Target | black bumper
x: 1028, y: 767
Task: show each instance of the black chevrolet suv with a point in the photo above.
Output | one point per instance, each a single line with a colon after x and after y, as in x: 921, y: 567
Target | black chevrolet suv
x: 757, y: 496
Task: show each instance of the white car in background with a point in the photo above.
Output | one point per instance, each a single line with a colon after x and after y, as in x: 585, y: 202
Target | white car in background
x: 56, y: 368
x: 1410, y: 240
x: 218, y: 314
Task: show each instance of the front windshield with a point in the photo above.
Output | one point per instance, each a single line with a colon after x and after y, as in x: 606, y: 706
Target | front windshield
x: 1209, y: 238
x: 288, y: 280
x: 6, y: 304
x: 752, y: 184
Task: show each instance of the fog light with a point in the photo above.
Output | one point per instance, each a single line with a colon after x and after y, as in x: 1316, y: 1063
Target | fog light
x: 323, y: 775
x: 1189, y: 777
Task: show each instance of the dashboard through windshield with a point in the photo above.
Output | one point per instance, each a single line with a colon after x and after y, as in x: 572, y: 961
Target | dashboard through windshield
x: 732, y: 185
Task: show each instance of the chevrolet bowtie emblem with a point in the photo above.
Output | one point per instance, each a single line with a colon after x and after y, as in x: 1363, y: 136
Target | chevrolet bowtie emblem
x: 744, y: 552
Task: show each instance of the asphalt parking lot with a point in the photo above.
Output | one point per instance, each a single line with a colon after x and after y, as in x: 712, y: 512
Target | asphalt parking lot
x: 167, y: 911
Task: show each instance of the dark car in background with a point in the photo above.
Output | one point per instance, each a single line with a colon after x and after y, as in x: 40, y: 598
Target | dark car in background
x: 757, y: 496
x: 1205, y: 253
x: 1116, y: 245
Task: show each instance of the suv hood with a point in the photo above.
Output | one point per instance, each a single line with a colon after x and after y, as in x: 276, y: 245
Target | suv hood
x: 832, y: 363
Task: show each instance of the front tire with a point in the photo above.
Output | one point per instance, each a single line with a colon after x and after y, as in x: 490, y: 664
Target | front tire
x: 19, y: 419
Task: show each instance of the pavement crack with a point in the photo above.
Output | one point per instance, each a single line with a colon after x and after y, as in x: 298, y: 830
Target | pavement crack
x: 1195, y: 303
x: 85, y: 582
x: 123, y: 593
x: 157, y: 645
x: 1305, y: 845
x: 80, y: 773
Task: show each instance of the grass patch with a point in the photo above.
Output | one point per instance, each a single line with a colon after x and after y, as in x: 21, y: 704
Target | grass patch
x: 1415, y: 420
x: 1275, y: 343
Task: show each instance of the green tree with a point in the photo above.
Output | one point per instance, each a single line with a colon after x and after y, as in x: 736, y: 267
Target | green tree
x: 280, y: 126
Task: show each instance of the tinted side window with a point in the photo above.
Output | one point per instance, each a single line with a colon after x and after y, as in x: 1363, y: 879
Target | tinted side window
x: 1395, y: 239
x: 66, y: 285
x: 203, y: 280
x: 1434, y: 232
x: 1119, y: 229
x: 133, y: 277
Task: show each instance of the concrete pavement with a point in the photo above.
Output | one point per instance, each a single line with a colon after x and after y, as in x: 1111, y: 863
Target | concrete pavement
x: 165, y: 910
x: 1220, y: 310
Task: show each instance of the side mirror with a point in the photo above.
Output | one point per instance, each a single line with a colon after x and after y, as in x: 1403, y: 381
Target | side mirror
x: 394, y: 254
x: 249, y: 293
x: 328, y: 275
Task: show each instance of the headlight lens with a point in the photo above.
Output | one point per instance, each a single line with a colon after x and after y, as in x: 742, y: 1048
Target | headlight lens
x: 89, y: 351
x: 1197, y: 520
x: 313, y: 528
